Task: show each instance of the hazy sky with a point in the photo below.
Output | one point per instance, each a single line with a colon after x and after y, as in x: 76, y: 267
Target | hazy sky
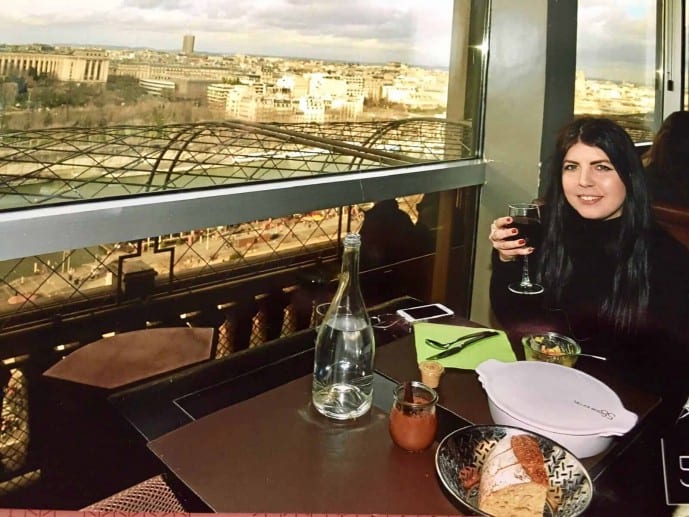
x: 356, y: 30
x: 615, y: 37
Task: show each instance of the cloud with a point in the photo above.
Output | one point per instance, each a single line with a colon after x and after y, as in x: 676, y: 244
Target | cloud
x: 157, y: 4
x: 390, y: 29
x: 617, y: 38
x: 609, y: 31
x: 349, y: 19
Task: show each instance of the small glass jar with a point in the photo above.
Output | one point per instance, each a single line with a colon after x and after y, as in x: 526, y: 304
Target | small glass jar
x: 431, y: 372
x: 413, y: 424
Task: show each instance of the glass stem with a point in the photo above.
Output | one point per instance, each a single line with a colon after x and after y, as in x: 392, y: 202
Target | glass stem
x: 526, y: 281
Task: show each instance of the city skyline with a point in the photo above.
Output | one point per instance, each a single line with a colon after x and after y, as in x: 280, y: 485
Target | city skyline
x: 615, y: 41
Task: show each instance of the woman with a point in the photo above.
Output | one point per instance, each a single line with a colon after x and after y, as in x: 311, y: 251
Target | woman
x: 613, y: 279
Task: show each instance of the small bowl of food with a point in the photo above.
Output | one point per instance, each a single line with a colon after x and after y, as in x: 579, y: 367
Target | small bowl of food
x: 551, y: 347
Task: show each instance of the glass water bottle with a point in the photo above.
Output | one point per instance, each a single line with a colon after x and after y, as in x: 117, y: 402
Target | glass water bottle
x: 345, y: 348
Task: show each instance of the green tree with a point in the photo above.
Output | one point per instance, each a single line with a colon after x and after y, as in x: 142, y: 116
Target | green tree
x: 125, y: 88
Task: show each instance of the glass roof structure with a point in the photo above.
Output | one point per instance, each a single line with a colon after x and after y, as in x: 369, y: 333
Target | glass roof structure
x: 64, y: 165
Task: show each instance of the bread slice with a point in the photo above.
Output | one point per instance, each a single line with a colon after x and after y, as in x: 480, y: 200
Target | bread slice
x: 514, y: 481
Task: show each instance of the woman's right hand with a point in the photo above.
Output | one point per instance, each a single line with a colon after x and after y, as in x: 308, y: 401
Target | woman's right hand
x: 502, y: 238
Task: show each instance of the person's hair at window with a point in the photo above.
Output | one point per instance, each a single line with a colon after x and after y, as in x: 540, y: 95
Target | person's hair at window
x: 626, y: 304
x: 667, y: 160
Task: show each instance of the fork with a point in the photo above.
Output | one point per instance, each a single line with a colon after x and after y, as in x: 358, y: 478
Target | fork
x: 444, y: 346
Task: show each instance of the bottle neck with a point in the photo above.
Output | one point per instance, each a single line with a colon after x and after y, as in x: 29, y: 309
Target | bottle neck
x: 348, y: 292
x: 350, y: 263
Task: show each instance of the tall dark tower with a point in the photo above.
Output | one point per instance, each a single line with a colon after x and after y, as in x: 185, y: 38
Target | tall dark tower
x: 188, y: 44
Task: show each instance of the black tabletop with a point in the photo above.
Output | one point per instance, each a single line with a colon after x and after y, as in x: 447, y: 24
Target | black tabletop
x: 629, y: 479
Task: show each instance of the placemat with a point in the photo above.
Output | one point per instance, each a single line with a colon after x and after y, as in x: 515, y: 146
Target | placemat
x: 495, y: 347
x: 275, y: 453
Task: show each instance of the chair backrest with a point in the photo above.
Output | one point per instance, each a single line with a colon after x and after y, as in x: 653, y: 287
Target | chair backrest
x: 675, y: 219
x: 135, y: 356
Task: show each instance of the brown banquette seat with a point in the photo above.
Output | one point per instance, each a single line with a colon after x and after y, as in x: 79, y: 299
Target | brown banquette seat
x: 675, y: 219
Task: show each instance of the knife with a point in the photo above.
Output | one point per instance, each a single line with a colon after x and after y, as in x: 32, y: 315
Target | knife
x: 456, y: 349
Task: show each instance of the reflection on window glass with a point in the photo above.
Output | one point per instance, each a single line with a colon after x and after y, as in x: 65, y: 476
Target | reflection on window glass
x: 392, y: 230
x: 616, y: 63
x: 130, y: 97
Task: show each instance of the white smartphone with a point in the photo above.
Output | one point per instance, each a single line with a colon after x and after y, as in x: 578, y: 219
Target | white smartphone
x: 425, y: 312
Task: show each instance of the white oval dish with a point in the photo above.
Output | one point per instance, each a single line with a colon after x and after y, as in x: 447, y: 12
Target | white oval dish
x: 567, y: 405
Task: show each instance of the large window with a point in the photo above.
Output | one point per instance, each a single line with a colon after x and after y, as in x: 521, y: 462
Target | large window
x: 110, y: 101
x: 616, y: 63
x: 125, y: 105
x: 196, y: 163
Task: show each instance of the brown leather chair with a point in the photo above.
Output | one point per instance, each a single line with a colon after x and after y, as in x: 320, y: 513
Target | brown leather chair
x: 675, y: 219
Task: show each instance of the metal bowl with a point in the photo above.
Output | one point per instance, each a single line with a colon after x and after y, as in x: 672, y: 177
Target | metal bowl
x: 551, y: 347
x: 570, y: 488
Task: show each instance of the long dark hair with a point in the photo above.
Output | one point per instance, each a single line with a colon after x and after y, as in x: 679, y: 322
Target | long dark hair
x: 669, y: 154
x: 670, y: 150
x: 626, y: 305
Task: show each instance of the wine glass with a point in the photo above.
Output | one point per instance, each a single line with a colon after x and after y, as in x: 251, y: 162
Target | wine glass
x: 526, y: 218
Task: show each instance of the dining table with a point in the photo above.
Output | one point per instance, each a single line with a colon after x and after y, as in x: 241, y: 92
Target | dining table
x: 241, y: 435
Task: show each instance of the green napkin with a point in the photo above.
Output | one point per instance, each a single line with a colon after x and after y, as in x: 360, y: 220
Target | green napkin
x: 494, y: 347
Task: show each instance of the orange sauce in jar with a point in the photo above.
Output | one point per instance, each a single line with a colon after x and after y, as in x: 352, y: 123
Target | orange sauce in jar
x: 413, y: 428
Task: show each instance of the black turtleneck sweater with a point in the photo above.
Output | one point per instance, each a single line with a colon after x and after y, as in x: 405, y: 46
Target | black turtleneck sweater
x: 656, y: 356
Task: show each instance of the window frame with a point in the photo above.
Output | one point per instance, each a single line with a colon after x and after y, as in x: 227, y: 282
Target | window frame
x: 670, y: 64
x: 29, y: 232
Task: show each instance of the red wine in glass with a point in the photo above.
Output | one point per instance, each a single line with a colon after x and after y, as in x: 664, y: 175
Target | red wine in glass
x: 526, y: 218
x: 529, y: 229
